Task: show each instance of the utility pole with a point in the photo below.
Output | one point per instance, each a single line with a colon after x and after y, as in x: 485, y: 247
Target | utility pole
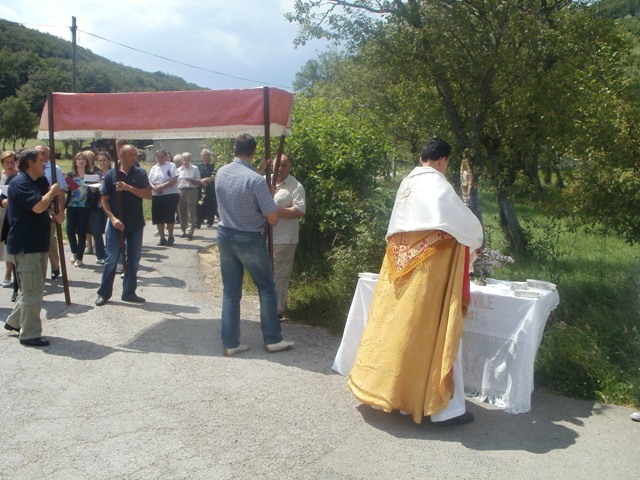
x: 75, y: 144
x: 73, y: 54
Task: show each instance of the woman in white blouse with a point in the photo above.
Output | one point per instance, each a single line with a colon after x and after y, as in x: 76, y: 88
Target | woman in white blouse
x: 164, y: 196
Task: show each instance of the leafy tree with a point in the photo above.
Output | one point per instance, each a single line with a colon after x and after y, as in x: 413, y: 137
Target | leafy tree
x: 338, y: 156
x: 94, y: 78
x: 42, y: 81
x: 504, y: 74
x: 16, y: 121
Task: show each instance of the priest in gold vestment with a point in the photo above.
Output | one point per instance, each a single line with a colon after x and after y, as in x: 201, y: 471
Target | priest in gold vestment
x: 409, y: 355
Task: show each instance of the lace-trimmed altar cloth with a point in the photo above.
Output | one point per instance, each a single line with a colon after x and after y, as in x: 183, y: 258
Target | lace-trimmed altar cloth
x: 500, y: 341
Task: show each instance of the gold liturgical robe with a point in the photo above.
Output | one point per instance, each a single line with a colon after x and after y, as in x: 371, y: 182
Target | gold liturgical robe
x: 408, y: 348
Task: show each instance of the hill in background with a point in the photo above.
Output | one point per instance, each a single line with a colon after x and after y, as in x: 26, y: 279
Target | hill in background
x: 33, y: 64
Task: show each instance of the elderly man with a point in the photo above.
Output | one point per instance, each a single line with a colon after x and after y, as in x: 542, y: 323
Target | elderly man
x: 208, y: 210
x: 54, y: 256
x: 245, y: 204
x: 188, y: 183
x: 291, y: 202
x: 409, y: 355
x: 128, y: 184
x: 28, y: 243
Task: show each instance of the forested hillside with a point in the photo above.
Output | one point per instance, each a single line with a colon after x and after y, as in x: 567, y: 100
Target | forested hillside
x: 33, y: 63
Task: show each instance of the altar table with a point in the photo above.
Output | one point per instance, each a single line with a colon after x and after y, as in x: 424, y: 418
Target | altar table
x: 501, y: 337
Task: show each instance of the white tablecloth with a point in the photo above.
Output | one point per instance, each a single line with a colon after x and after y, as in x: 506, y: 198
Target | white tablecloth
x: 500, y: 341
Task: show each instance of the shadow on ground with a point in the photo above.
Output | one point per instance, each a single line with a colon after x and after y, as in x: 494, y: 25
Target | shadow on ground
x: 313, y: 351
x: 539, y: 431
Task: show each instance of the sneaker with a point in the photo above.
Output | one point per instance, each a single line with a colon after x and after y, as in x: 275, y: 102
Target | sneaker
x: 78, y: 263
x: 230, y: 352
x: 184, y: 235
x: 162, y: 242
x: 278, y: 347
x: 190, y: 236
x: 100, y: 261
x: 7, y: 283
x: 170, y: 241
x: 635, y: 416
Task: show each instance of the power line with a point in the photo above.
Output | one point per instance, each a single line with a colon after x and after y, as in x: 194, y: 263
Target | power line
x: 182, y: 63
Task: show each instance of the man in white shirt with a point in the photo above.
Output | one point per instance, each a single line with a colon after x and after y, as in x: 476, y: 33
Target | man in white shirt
x: 188, y: 183
x: 291, y: 201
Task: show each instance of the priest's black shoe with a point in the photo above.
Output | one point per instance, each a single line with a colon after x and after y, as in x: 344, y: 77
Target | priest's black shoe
x: 35, y: 342
x: 466, y: 417
x: 133, y: 298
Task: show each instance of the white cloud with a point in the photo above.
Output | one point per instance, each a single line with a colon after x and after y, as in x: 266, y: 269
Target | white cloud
x: 245, y: 38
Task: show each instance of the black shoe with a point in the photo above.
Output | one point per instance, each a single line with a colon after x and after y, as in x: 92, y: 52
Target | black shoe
x: 100, y: 301
x: 197, y: 226
x: 170, y: 241
x: 11, y: 327
x: 133, y: 298
x: 55, y: 274
x: 162, y: 242
x: 14, y: 297
x: 184, y: 235
x: 35, y: 342
x: 190, y: 236
x: 466, y: 417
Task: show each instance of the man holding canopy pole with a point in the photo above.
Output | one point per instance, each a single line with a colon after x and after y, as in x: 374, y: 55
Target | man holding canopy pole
x: 245, y: 204
x: 28, y: 243
x: 128, y: 184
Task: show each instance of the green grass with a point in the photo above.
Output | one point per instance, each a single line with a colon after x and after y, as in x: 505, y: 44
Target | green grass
x: 591, y: 345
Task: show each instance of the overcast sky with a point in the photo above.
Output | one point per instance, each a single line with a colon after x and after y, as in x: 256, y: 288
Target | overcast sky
x: 243, y: 38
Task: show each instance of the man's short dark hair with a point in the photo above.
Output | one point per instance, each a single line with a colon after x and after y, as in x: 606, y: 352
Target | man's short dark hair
x: 25, y: 157
x: 434, y: 149
x: 245, y: 145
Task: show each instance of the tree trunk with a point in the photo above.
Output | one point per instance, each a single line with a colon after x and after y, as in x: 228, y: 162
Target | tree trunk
x: 559, y: 180
x: 511, y: 228
x: 474, y: 206
x: 533, y: 172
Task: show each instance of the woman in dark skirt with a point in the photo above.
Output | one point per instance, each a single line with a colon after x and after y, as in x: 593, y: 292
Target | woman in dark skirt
x: 164, y: 200
x: 98, y: 217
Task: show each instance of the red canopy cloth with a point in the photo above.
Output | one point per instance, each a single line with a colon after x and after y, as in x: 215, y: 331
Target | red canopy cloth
x: 167, y: 115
